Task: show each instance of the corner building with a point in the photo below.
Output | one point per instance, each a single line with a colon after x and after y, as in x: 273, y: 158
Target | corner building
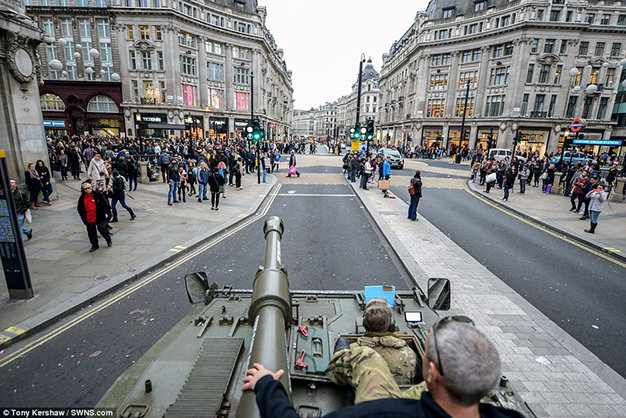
x: 186, y: 69
x: 531, y: 66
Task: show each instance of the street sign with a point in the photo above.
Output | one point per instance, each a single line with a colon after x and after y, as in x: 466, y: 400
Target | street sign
x: 356, y: 145
x: 610, y: 142
x: 12, y: 252
x: 272, y: 125
x: 405, y: 129
x: 577, y: 125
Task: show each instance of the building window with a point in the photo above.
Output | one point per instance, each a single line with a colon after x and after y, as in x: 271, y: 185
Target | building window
x: 590, y: 18
x: 132, y: 59
x: 505, y: 21
x: 242, y: 100
x: 106, y: 52
x: 563, y: 49
x: 144, y: 31
x: 467, y: 77
x: 600, y: 47
x: 621, y: 20
x: 101, y: 3
x: 216, y: 98
x: 480, y: 5
x: 610, y: 77
x: 476, y: 54
x: 241, y: 53
x: 84, y: 28
x: 435, y: 60
x: 499, y: 76
x: 495, y: 105
x: 52, y: 102
x: 160, y: 62
x: 187, y: 65
x: 602, y: 108
x: 554, y: 15
x: 448, y: 13
x: 131, y: 32
x: 530, y: 73
x: 605, y: 19
x: 161, y: 92
x: 571, y: 107
x: 539, y: 99
x: 466, y: 56
x: 445, y: 59
x: 524, y: 105
x: 540, y: 14
x: 241, y: 75
x: 568, y: 16
x: 158, y: 33
x: 583, y: 48
x: 460, y: 107
x: 593, y: 77
x: 189, y: 94
x: 543, y: 73
x: 548, y: 46
x: 438, y: 82
x: 102, y: 104
x: 534, y: 46
x: 552, y: 105
x: 557, y: 74
x: 616, y: 49
x: 587, y: 107
x: 435, y: 108
x: 82, y: 3
x: 103, y: 28
x: 578, y: 77
x: 146, y: 60
x: 215, y: 71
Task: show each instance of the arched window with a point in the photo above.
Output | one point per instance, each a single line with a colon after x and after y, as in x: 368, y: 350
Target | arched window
x: 52, y: 102
x: 102, y: 104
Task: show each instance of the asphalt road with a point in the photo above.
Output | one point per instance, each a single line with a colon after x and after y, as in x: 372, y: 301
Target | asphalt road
x: 579, y: 291
x: 328, y: 243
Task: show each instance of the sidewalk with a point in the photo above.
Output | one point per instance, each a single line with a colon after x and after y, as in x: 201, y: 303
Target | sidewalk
x: 65, y: 276
x: 553, y: 211
x: 554, y: 374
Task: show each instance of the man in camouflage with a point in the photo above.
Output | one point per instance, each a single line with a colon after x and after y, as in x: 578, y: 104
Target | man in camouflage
x: 379, y: 337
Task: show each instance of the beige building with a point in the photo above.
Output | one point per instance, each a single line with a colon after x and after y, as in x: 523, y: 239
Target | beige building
x: 531, y: 66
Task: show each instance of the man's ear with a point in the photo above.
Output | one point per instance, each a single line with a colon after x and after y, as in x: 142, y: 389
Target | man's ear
x: 433, y: 374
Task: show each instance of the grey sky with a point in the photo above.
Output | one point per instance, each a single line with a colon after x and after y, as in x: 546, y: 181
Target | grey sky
x: 324, y: 39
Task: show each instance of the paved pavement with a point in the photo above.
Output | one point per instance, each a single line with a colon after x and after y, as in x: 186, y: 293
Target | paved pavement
x: 555, y: 374
x: 67, y: 277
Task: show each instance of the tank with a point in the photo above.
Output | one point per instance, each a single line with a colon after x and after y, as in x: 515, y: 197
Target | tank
x: 196, y: 369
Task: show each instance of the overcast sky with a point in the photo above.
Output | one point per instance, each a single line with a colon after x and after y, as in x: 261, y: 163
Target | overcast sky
x: 323, y: 40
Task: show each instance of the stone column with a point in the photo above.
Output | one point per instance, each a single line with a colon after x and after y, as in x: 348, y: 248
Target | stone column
x: 143, y: 169
x: 203, y: 95
x: 617, y: 195
x: 556, y: 184
x: 228, y: 75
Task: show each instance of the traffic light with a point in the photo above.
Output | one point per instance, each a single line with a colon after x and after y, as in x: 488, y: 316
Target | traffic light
x: 255, y: 131
x: 355, y: 133
x: 370, y: 130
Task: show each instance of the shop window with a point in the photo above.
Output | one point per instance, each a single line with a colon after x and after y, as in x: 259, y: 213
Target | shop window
x: 52, y: 102
x: 242, y: 101
x: 189, y: 94
x: 216, y: 98
x: 102, y: 104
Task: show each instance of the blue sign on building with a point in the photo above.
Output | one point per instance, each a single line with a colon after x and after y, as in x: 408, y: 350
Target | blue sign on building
x: 610, y: 142
x: 54, y: 123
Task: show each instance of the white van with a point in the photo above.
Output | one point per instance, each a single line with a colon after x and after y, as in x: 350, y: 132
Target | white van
x: 499, y: 154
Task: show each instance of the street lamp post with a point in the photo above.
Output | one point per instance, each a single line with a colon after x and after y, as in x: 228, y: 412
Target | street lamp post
x: 358, y: 92
x: 462, y: 136
x: 258, y: 145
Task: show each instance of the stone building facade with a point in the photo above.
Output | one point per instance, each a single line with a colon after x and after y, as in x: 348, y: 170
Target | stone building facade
x: 179, y: 68
x: 528, y: 66
x: 21, y: 130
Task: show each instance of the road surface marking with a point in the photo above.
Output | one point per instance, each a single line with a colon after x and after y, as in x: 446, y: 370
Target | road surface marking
x: 548, y: 231
x: 316, y: 195
x: 132, y: 288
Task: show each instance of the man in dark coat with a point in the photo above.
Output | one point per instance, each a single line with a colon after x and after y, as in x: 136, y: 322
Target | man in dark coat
x: 93, y: 208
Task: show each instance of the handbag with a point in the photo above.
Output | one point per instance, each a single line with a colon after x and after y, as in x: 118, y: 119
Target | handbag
x: 28, y: 216
x: 384, y: 184
x: 221, y: 189
x: 411, y: 190
x: 491, y: 178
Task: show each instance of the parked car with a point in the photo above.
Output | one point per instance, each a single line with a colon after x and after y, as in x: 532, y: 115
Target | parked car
x: 396, y: 160
x: 575, y: 156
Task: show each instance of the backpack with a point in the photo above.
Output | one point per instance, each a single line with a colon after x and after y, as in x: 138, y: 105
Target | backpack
x: 411, y: 189
x: 124, y: 183
x: 166, y: 159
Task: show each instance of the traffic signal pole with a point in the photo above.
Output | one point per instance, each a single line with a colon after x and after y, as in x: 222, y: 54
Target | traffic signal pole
x: 462, y: 137
x: 258, y: 145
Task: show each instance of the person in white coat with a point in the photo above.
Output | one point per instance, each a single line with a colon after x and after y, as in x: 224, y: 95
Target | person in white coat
x: 97, y: 170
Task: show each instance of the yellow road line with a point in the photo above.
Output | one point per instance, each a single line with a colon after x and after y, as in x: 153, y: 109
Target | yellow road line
x: 547, y: 231
x: 50, y: 335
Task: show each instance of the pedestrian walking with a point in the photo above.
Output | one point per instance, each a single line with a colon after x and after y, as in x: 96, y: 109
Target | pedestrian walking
x: 172, y: 178
x: 415, y: 192
x: 63, y: 163
x: 223, y: 170
x: 182, y: 183
x: 216, y: 182
x: 44, y: 179
x: 33, y: 183
x: 117, y: 192
x: 192, y: 178
x: 266, y: 165
x: 581, y: 183
x: 97, y: 169
x: 133, y: 173
x: 93, y: 209
x: 523, y: 178
x: 367, y: 172
x: 203, y: 180
x: 164, y: 161
x: 597, y: 196
x: 509, y: 182
x: 21, y: 206
x: 237, y: 173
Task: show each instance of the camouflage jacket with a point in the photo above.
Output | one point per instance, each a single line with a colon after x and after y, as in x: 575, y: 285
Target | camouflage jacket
x: 400, y: 358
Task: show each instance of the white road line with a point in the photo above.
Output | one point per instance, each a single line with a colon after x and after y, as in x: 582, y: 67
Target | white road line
x: 314, y: 195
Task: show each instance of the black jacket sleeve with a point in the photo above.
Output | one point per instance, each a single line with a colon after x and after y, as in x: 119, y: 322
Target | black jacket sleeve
x: 272, y: 399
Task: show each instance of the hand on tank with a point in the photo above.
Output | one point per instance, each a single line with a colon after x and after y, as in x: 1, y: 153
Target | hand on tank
x: 255, y: 373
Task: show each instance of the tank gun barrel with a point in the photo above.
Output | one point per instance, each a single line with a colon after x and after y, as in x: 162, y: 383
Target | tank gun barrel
x: 270, y: 311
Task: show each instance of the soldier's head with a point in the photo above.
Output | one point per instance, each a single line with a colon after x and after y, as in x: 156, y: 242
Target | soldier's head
x: 460, y: 360
x: 377, y: 316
